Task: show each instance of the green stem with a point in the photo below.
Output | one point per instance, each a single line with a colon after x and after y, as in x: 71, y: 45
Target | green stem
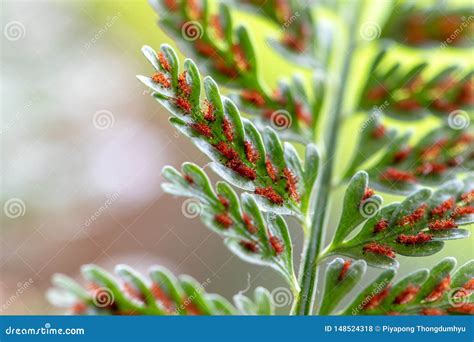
x: 312, y: 251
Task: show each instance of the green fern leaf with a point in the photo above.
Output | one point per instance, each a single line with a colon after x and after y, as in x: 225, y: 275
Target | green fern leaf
x: 401, y: 167
x: 161, y: 294
x: 411, y: 94
x: 255, y: 162
x: 430, y: 26
x: 415, y: 227
x: 252, y: 235
x: 438, y: 291
x: 228, y: 55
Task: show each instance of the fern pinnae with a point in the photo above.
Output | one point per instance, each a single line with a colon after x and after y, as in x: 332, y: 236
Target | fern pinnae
x: 400, y: 166
x: 418, y: 226
x: 241, y: 155
x: 228, y: 54
x: 248, y: 232
x: 160, y: 294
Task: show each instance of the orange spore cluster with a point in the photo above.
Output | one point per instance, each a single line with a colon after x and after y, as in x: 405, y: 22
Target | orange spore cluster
x: 414, y: 239
x: 345, y: 267
x: 394, y: 175
x: 376, y: 248
x: 224, y: 220
x: 270, y: 194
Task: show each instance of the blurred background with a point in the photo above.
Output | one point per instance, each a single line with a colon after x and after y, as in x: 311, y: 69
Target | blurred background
x: 82, y: 148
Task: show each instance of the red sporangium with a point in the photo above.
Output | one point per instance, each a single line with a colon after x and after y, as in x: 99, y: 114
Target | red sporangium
x: 228, y: 130
x: 224, y: 201
x: 248, y: 224
x: 379, y: 131
x: 224, y: 220
x: 345, y: 267
x: 270, y: 169
x: 407, y: 295
x: 270, y: 194
x: 376, y: 248
x: 369, y: 192
x: 253, y: 97
x: 242, y: 169
x: 380, y: 226
x: 414, y: 217
x: 209, y: 112
x: 226, y: 150
x: 203, y: 129
x: 163, y: 61
x: 414, y: 239
x: 291, y: 182
x: 160, y: 78
x: 442, y: 225
x: 250, y: 152
x: 184, y: 104
x: 183, y: 85
x: 276, y: 244
x: 442, y: 208
x: 394, y: 175
x: 249, y: 246
x: 440, y: 289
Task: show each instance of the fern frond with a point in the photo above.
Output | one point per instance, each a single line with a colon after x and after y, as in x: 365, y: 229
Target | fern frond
x: 252, y: 235
x: 131, y: 294
x: 255, y: 162
x: 221, y: 49
x: 418, y: 226
x: 430, y: 27
x: 400, y: 167
x: 228, y: 55
x: 291, y: 112
x: 298, y: 39
x: 439, y: 291
x: 409, y: 94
